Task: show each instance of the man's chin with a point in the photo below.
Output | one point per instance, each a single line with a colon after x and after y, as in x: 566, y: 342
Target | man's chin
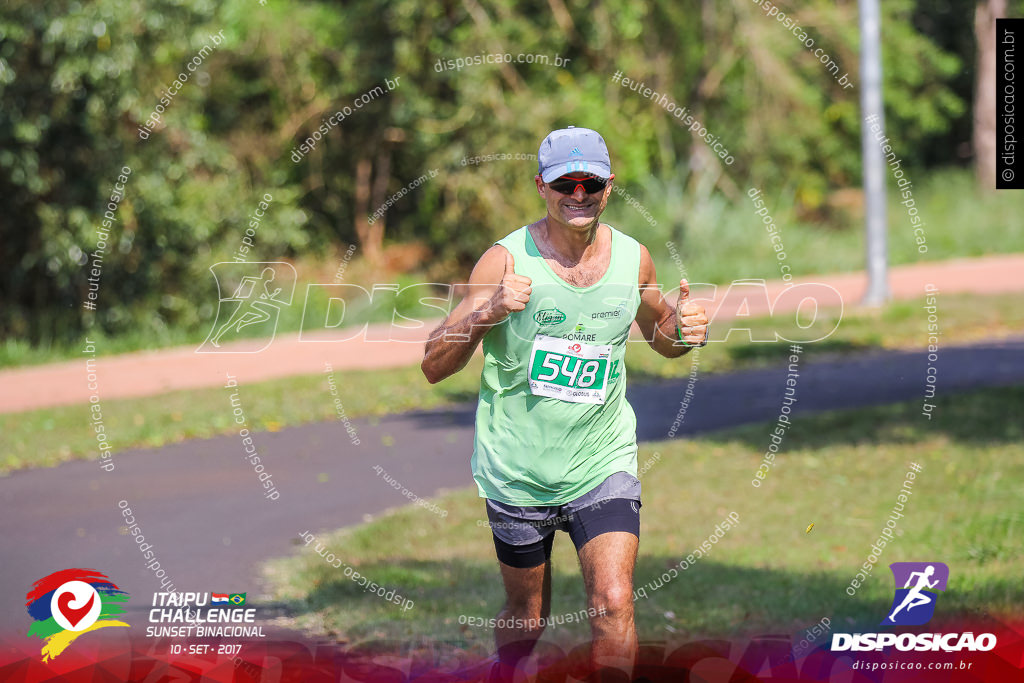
x: 581, y: 222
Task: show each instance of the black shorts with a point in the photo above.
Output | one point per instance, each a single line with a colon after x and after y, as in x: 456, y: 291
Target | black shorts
x: 523, y: 535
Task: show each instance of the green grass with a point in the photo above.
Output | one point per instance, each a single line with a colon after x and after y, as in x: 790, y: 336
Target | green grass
x: 49, y: 436
x: 964, y: 318
x: 308, y: 307
x: 840, y: 470
x: 719, y: 240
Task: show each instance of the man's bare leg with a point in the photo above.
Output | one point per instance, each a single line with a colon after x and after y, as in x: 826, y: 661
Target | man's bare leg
x: 521, y: 620
x: 607, y: 562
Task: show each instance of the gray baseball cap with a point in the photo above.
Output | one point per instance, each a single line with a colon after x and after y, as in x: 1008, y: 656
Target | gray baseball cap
x: 573, y: 150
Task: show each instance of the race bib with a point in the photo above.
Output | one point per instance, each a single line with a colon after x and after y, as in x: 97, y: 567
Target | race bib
x: 569, y: 370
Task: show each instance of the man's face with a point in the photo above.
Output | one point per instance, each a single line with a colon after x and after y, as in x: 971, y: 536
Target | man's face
x: 579, y: 210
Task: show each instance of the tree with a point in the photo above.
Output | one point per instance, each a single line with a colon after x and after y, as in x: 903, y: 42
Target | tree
x: 78, y: 79
x: 985, y: 90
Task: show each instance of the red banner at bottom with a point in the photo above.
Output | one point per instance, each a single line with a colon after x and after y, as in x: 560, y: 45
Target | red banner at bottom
x: 916, y: 656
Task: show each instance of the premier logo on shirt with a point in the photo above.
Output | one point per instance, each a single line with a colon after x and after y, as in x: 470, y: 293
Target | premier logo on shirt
x: 617, y: 312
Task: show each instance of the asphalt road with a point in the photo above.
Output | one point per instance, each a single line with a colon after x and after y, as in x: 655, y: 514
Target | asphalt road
x: 203, y: 510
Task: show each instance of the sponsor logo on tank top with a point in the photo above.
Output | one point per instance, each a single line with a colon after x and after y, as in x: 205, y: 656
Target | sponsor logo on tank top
x: 549, y: 316
x: 600, y: 315
x: 617, y: 312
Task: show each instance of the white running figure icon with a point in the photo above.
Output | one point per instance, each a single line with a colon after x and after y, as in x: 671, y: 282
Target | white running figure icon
x: 915, y: 598
x: 252, y: 306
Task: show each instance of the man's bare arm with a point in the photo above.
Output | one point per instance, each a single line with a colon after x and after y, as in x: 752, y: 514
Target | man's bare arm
x: 452, y: 343
x: 657, y: 320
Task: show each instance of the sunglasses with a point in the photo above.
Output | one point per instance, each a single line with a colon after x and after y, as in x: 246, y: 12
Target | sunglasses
x: 565, y: 185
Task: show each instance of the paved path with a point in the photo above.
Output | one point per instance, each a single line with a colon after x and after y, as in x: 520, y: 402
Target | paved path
x: 149, y: 373
x: 200, y: 505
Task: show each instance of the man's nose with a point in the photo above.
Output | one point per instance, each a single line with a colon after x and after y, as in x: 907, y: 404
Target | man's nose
x: 579, y: 194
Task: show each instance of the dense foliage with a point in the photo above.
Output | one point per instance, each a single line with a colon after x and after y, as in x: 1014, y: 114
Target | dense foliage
x: 79, y: 81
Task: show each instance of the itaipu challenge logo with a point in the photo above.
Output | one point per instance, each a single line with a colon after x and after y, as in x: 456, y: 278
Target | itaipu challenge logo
x: 69, y: 603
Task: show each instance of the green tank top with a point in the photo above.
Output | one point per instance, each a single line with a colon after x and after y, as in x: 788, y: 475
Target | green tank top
x: 552, y: 421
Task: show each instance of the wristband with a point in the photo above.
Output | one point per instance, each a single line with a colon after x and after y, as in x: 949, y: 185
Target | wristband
x: 679, y: 333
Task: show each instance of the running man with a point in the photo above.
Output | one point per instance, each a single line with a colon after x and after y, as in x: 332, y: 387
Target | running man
x: 555, y: 444
x: 915, y: 597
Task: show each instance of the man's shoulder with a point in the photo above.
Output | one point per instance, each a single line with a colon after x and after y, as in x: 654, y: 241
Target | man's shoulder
x: 493, y: 259
x: 518, y: 233
x: 623, y: 238
x: 626, y: 244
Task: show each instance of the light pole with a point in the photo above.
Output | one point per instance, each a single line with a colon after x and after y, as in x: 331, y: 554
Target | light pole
x: 874, y: 163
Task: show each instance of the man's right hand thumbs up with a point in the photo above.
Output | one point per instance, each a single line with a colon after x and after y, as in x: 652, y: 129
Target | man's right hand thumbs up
x: 513, y: 293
